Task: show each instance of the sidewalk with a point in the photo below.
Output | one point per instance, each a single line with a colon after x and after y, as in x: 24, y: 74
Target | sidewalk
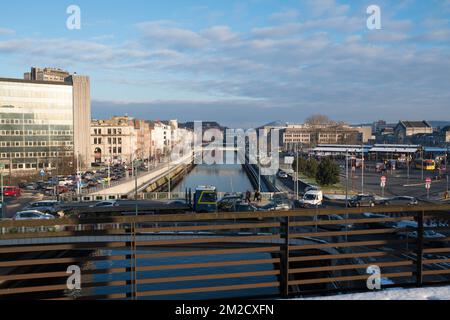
x: 129, y: 186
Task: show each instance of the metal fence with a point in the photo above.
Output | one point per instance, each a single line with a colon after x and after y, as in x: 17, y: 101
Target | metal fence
x: 229, y: 255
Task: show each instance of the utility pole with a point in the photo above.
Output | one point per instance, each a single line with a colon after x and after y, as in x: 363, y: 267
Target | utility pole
x: 423, y: 175
x: 346, y: 178
x: 136, y: 188
x: 170, y: 180
x: 2, y: 166
x: 296, y: 175
x: 362, y: 169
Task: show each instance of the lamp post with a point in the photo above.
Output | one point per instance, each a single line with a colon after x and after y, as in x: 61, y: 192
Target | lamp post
x: 2, y: 166
x: 346, y: 178
x: 296, y: 175
x: 362, y: 169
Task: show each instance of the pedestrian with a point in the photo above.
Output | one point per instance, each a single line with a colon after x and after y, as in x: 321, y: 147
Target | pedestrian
x: 248, y: 196
x: 256, y: 197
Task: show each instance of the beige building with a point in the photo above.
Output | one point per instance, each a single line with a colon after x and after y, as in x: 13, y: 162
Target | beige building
x: 43, y: 123
x: 46, y: 74
x: 405, y: 130
x: 120, y: 140
x: 312, y: 135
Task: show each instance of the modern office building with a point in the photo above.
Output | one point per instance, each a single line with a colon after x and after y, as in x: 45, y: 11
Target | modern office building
x: 44, y: 124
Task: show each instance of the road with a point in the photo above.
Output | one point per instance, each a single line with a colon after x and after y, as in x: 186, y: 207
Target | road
x: 397, y: 183
x: 13, y: 205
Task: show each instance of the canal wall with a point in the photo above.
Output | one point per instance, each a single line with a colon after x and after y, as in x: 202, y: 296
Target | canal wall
x: 253, y: 175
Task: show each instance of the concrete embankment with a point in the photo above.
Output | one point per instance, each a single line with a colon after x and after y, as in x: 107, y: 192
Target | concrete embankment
x: 144, y: 181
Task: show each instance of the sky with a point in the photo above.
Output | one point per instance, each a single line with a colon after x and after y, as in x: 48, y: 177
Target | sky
x: 242, y: 63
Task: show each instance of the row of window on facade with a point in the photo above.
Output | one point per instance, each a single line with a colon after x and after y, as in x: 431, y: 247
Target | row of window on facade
x: 110, y: 131
x: 35, y: 133
x: 24, y: 121
x: 12, y: 155
x: 36, y: 143
x: 98, y: 141
x: 16, y: 166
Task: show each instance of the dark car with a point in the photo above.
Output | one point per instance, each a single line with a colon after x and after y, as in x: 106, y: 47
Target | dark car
x: 401, y: 201
x: 363, y: 201
x: 244, y: 207
x: 336, y: 223
x: 226, y: 203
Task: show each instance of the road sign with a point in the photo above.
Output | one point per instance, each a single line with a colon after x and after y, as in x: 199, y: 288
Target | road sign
x: 42, y: 173
x: 383, y: 181
x: 428, y: 183
x: 289, y: 160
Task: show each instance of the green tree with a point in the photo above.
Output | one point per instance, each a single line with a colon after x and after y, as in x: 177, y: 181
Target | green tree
x: 312, y: 166
x: 328, y: 172
x: 301, y: 165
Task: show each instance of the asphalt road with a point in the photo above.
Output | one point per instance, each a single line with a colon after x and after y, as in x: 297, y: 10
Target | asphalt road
x: 397, y: 183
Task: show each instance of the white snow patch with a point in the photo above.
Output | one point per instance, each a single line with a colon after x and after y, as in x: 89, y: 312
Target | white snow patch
x: 437, y: 293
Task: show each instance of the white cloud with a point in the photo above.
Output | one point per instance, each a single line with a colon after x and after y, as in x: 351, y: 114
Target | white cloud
x: 284, y: 16
x: 6, y: 31
x: 166, y: 33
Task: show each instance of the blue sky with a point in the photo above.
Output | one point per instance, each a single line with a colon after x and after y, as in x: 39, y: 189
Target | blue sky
x: 243, y: 63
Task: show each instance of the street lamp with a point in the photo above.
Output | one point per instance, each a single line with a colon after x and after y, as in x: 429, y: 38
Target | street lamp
x: 2, y: 166
x: 346, y: 178
x: 362, y: 169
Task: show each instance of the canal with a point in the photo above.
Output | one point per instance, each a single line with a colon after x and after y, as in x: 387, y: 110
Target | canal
x: 226, y: 178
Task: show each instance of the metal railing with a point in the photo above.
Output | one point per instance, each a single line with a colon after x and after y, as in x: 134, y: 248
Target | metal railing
x: 229, y: 255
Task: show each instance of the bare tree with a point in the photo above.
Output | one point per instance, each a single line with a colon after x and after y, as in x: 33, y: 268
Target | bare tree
x: 319, y: 119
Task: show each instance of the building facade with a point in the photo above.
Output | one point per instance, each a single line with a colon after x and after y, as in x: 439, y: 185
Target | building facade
x: 114, y: 140
x: 42, y: 123
x: 406, y: 130
x: 313, y: 135
x: 46, y: 74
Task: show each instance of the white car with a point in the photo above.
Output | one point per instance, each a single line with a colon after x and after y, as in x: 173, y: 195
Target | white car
x: 32, y: 215
x: 105, y: 204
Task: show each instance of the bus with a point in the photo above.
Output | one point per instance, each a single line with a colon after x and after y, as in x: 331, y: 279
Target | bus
x: 429, y: 165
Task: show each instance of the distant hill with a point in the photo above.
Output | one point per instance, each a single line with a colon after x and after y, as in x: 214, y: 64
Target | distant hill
x: 439, y: 124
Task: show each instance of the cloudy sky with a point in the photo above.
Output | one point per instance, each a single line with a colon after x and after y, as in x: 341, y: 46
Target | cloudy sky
x: 243, y: 63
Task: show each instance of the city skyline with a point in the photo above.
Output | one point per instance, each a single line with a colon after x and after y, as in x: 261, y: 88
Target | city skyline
x: 243, y: 64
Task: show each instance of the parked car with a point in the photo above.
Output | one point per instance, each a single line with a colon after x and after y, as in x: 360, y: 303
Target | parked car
x: 382, y: 224
x: 244, y: 207
x: 334, y: 227
x: 105, y: 204
x: 226, y: 203
x: 282, y: 175
x: 48, y: 206
x: 401, y: 201
x: 32, y: 215
x: 31, y: 187
x: 311, y: 188
x: 362, y: 201
x: 11, y: 192
x: 276, y: 206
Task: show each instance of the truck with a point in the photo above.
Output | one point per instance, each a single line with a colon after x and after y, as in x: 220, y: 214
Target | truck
x: 205, y: 199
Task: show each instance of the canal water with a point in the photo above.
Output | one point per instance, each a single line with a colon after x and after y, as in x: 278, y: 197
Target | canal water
x: 226, y: 178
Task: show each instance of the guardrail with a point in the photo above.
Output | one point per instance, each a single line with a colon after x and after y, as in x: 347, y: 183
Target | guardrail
x: 229, y: 255
x: 147, y: 196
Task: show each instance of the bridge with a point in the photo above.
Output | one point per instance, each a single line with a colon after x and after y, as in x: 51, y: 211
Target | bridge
x: 207, y: 256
